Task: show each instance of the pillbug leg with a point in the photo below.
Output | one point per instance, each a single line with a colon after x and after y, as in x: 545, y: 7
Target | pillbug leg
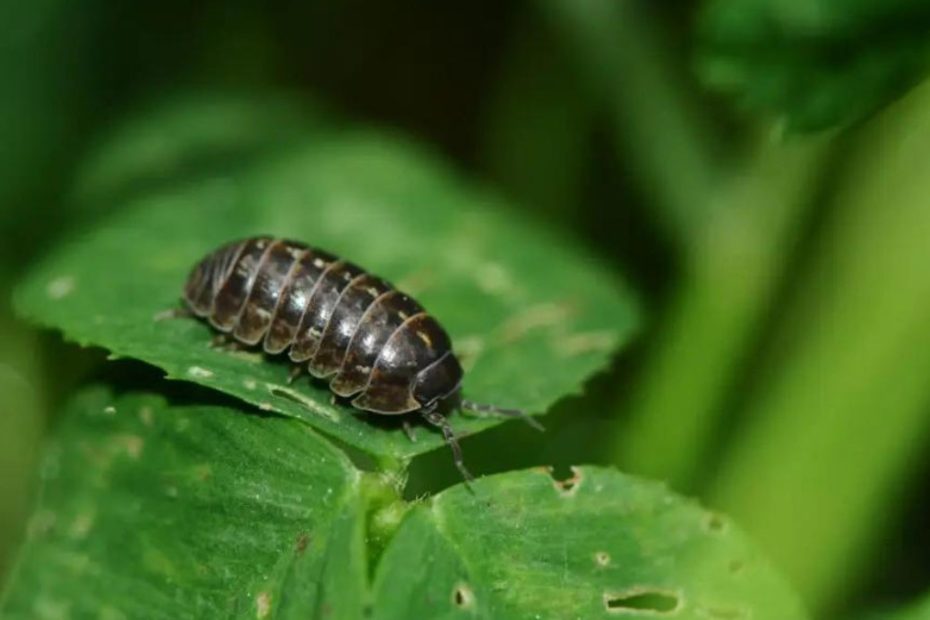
x: 294, y: 374
x: 408, y: 430
x: 484, y: 410
x: 437, y: 419
x: 174, y: 313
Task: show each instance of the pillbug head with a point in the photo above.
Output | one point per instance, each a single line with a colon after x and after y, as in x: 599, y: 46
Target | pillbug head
x: 438, y: 381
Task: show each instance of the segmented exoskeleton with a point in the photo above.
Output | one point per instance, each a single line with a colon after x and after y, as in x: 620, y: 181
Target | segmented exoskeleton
x: 373, y: 343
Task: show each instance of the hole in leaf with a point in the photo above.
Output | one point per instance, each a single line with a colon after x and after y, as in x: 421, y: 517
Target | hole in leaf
x: 655, y: 601
x: 566, y: 483
x: 462, y: 596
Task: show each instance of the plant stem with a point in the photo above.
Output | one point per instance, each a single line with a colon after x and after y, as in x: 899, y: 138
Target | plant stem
x: 733, y: 268
x: 539, y: 126
x: 622, y: 59
x: 839, y: 423
x: 22, y: 422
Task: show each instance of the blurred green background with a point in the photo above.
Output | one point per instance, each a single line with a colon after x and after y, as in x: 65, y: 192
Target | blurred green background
x: 760, y: 170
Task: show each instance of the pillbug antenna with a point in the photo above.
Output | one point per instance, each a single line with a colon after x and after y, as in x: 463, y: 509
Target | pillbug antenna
x: 468, y: 405
x: 437, y: 419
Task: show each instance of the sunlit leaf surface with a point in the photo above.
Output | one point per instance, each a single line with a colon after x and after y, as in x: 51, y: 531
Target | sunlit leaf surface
x: 151, y: 511
x: 597, y: 544
x: 531, y: 315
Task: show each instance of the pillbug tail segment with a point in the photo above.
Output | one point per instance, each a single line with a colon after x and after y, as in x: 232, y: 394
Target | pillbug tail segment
x: 474, y: 407
x: 437, y: 419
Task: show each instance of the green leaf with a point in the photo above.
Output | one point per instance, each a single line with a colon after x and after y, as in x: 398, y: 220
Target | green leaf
x: 599, y: 544
x: 188, y: 511
x: 189, y: 135
x: 531, y: 316
x: 155, y: 511
x: 46, y: 60
x: 813, y: 63
x: 915, y: 611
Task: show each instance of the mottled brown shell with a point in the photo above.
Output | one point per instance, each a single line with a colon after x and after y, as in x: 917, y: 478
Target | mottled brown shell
x: 370, y: 340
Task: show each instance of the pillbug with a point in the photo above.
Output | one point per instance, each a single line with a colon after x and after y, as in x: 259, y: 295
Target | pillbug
x: 373, y: 343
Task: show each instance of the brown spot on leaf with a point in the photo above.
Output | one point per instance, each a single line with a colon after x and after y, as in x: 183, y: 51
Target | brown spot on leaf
x: 303, y: 539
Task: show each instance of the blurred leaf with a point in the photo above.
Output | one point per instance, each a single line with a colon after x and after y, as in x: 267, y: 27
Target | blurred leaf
x: 531, y: 315
x: 190, y: 134
x: 732, y: 272
x: 539, y: 126
x: 916, y: 611
x: 21, y: 421
x: 658, y: 130
x: 813, y: 63
x: 837, y: 423
x: 597, y: 544
x: 155, y: 511
x: 46, y: 63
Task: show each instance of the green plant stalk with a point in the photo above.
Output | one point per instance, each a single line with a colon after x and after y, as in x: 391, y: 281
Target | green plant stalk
x: 22, y: 422
x: 22, y: 417
x: 621, y: 57
x: 733, y: 267
x: 384, y: 508
x: 841, y: 420
x: 918, y: 610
